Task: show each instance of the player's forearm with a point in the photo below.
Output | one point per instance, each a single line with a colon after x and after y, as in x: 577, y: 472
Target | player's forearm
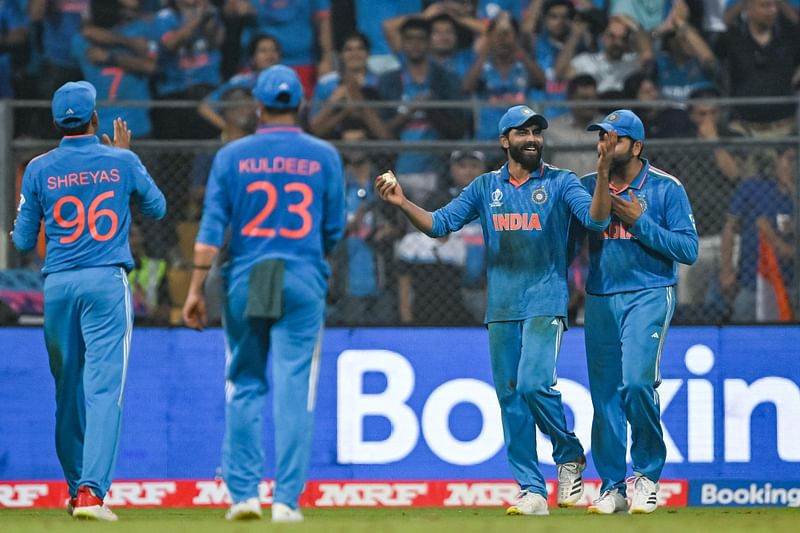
x: 203, y: 258
x: 420, y: 218
x: 677, y: 245
x: 212, y: 117
x: 600, y: 209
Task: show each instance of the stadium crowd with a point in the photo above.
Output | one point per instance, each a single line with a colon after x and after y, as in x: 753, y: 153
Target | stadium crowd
x: 486, y: 54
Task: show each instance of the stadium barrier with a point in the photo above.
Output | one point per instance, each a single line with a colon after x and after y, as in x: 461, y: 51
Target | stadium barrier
x: 406, y: 418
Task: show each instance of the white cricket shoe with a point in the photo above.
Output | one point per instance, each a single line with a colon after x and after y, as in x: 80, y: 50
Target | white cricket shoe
x: 250, y: 509
x: 88, y: 506
x: 570, y: 483
x: 529, y: 503
x: 610, y: 502
x: 645, y: 495
x: 283, y: 513
x: 97, y: 512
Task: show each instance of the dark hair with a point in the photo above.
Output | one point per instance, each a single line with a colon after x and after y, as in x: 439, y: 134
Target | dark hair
x: 104, y: 14
x: 356, y: 35
x: 415, y: 23
x: 80, y: 129
x: 633, y: 83
x: 257, y: 38
x: 512, y: 20
x: 708, y: 91
x: 581, y: 80
x: 280, y: 110
x: 550, y: 4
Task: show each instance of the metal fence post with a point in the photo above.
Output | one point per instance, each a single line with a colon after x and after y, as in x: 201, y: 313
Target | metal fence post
x: 7, y: 200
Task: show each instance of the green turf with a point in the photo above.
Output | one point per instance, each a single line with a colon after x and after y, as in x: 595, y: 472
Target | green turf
x: 715, y: 520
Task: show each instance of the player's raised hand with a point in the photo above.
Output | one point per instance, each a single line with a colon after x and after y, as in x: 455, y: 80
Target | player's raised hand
x: 122, y: 135
x: 605, y: 151
x: 627, y: 211
x: 194, y: 311
x: 389, y: 189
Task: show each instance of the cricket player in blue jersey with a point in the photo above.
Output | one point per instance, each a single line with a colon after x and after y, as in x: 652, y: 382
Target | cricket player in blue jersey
x: 82, y: 189
x: 629, y: 304
x: 281, y: 193
x: 525, y: 209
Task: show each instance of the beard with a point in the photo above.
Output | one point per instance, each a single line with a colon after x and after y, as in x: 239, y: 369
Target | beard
x: 528, y: 161
x: 619, y: 162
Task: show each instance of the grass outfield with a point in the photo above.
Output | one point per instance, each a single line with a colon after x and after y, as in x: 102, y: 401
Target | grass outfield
x: 481, y: 520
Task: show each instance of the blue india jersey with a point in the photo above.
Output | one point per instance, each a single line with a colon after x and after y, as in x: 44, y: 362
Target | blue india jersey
x: 82, y: 189
x: 329, y: 82
x: 370, y: 16
x: 495, y: 88
x: 114, y: 83
x: 59, y: 25
x: 194, y: 63
x: 281, y: 193
x: 292, y: 23
x: 644, y: 255
x: 489, y: 9
x: 418, y: 128
x: 525, y: 230
x: 12, y: 17
x: 546, y: 53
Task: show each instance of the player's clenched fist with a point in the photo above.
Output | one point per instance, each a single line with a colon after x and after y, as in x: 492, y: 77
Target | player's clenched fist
x: 389, y: 188
x: 194, y: 311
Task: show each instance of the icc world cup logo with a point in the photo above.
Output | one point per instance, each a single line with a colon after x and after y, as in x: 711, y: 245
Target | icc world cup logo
x: 497, y: 198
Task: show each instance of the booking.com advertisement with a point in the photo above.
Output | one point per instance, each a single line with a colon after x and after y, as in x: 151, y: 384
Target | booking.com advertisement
x: 410, y: 417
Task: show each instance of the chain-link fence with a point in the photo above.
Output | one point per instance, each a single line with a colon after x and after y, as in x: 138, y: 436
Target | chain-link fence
x: 743, y: 191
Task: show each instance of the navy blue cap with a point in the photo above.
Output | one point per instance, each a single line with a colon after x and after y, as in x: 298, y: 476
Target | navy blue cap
x: 73, y: 104
x: 279, y: 87
x: 624, y: 122
x: 518, y: 116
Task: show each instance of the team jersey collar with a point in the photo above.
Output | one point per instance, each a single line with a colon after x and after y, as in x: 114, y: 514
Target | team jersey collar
x: 279, y: 128
x: 637, y: 182
x: 79, y: 140
x: 506, y: 175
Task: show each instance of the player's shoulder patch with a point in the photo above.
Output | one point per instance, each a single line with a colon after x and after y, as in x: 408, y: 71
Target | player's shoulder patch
x: 657, y: 172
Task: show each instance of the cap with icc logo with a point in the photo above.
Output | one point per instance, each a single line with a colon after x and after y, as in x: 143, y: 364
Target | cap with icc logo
x: 73, y: 104
x: 624, y: 122
x: 279, y: 87
x: 518, y: 116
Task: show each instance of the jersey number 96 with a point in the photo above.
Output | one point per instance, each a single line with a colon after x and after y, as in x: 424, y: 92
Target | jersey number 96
x: 81, y: 218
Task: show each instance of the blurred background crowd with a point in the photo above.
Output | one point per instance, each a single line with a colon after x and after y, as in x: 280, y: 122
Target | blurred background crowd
x: 418, y: 86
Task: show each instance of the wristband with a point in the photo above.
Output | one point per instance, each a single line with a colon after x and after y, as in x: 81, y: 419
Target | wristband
x: 201, y: 267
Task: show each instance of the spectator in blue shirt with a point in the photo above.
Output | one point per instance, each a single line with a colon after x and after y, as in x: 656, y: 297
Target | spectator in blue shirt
x: 685, y: 62
x: 370, y: 19
x: 502, y: 74
x: 60, y: 20
x: 761, y: 213
x: 351, y: 83
x: 265, y: 51
x: 453, y: 30
x: 303, y: 27
x: 363, y: 268
x: 419, y: 80
x: 118, y: 52
x: 190, y: 34
x: 556, y: 20
x: 14, y: 26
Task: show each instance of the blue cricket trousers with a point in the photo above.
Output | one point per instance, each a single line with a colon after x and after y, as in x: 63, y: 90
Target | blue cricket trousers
x: 294, y: 344
x: 524, y: 356
x: 625, y: 335
x: 88, y: 321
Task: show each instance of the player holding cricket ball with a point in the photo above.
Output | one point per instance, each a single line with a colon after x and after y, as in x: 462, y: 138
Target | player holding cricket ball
x: 525, y: 209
